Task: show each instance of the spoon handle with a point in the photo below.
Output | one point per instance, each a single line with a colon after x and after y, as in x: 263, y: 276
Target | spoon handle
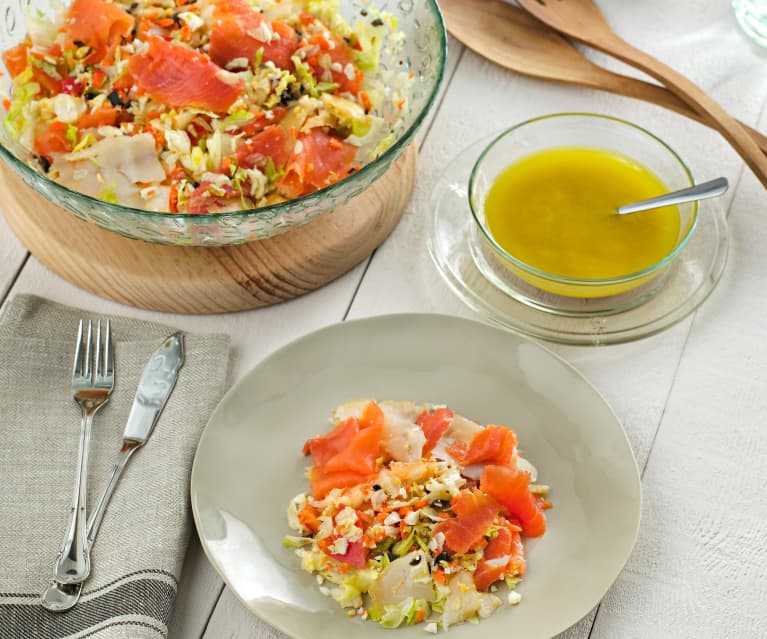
x: 712, y: 188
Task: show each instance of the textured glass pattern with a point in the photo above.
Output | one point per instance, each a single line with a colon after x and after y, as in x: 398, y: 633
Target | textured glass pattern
x: 424, y: 54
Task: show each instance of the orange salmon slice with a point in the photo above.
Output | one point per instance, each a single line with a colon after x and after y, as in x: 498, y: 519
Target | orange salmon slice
x: 239, y: 31
x: 179, y: 77
x: 97, y: 24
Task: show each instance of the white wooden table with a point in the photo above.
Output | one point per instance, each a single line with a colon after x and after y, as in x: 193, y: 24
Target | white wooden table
x: 693, y: 399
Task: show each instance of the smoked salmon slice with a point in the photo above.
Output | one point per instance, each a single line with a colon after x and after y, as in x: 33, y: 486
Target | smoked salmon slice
x: 324, y: 447
x: 53, y: 139
x: 475, y: 513
x: 503, y: 555
x: 342, y: 69
x: 372, y: 415
x: 15, y: 58
x: 360, y: 455
x: 97, y: 24
x: 511, y: 488
x: 179, y: 77
x: 323, y: 483
x: 319, y: 159
x: 274, y: 143
x: 434, y: 424
x: 492, y: 445
x: 240, y: 30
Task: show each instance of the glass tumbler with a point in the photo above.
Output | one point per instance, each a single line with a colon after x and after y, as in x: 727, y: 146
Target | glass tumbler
x: 752, y: 16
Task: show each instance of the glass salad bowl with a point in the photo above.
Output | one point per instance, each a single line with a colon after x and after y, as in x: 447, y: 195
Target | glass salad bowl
x: 418, y: 54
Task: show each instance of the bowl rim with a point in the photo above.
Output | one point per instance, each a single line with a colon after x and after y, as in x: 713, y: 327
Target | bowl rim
x: 595, y: 282
x: 388, y: 155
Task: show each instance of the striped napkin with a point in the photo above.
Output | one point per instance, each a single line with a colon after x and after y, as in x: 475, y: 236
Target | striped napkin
x: 139, y: 551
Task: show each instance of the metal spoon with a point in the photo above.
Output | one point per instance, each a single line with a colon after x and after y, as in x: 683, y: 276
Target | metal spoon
x: 712, y: 188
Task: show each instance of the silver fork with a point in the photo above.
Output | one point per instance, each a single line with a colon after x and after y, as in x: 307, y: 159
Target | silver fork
x: 93, y: 379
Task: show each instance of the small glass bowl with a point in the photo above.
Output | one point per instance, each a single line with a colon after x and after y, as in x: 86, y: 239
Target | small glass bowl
x: 584, y: 130
x: 423, y: 55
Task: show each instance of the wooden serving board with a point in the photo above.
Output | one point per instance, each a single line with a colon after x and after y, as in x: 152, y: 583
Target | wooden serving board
x: 209, y: 280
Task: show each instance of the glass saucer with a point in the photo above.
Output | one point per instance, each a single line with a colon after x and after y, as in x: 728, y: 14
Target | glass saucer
x: 461, y: 258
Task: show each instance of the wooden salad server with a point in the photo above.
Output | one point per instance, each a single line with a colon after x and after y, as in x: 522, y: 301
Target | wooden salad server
x: 582, y: 20
x: 515, y: 40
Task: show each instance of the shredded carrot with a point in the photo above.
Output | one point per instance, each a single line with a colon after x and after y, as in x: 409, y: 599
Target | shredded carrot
x: 6, y: 103
x: 420, y: 615
x: 173, y: 199
x: 365, y: 99
x: 226, y: 164
x: 308, y: 518
x: 439, y: 576
x: 99, y: 77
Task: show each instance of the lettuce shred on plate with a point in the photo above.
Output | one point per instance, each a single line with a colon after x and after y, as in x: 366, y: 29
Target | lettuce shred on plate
x: 416, y: 514
x: 201, y: 106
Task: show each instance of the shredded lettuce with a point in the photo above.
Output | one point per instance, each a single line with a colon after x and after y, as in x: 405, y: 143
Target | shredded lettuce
x: 405, y: 612
x: 109, y: 194
x: 24, y: 90
x: 292, y: 541
x: 71, y: 134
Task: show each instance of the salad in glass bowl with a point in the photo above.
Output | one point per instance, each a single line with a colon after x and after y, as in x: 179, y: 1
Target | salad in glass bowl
x: 416, y: 514
x: 213, y: 122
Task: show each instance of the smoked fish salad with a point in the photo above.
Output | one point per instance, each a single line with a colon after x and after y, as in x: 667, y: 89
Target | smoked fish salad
x: 203, y: 106
x: 416, y: 514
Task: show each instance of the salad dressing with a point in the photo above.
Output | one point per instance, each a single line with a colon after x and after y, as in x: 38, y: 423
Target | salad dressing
x: 555, y: 211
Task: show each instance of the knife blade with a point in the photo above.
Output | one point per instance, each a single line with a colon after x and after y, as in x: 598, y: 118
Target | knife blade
x: 154, y: 388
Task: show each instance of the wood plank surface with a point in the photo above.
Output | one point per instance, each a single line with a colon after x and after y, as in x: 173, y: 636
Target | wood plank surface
x: 12, y: 256
x: 692, y: 399
x: 639, y: 391
x: 700, y: 565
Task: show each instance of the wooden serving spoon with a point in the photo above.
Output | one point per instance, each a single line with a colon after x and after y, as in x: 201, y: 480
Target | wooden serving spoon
x: 582, y: 20
x: 515, y: 40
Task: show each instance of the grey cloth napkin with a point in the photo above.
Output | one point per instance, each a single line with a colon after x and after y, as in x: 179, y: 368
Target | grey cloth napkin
x: 139, y: 551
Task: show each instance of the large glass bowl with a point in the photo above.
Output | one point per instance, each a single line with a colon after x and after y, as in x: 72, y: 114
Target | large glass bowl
x: 424, y: 54
x: 579, y: 130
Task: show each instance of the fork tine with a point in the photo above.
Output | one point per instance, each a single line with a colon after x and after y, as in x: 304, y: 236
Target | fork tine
x: 88, y: 371
x: 109, y: 361
x: 77, y: 370
x: 97, y: 358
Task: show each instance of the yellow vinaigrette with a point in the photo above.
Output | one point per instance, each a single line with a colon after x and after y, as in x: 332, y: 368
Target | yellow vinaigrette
x: 555, y: 211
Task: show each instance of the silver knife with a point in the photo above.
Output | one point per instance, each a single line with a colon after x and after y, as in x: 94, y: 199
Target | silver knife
x: 154, y: 388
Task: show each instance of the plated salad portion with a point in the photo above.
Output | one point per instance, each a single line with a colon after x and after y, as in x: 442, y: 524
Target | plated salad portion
x: 416, y: 514
x: 203, y: 106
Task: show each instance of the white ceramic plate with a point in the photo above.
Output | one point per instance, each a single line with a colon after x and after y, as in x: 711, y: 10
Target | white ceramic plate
x: 249, y: 465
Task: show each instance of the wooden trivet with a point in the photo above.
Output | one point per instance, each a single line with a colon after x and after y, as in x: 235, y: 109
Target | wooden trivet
x: 208, y: 280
